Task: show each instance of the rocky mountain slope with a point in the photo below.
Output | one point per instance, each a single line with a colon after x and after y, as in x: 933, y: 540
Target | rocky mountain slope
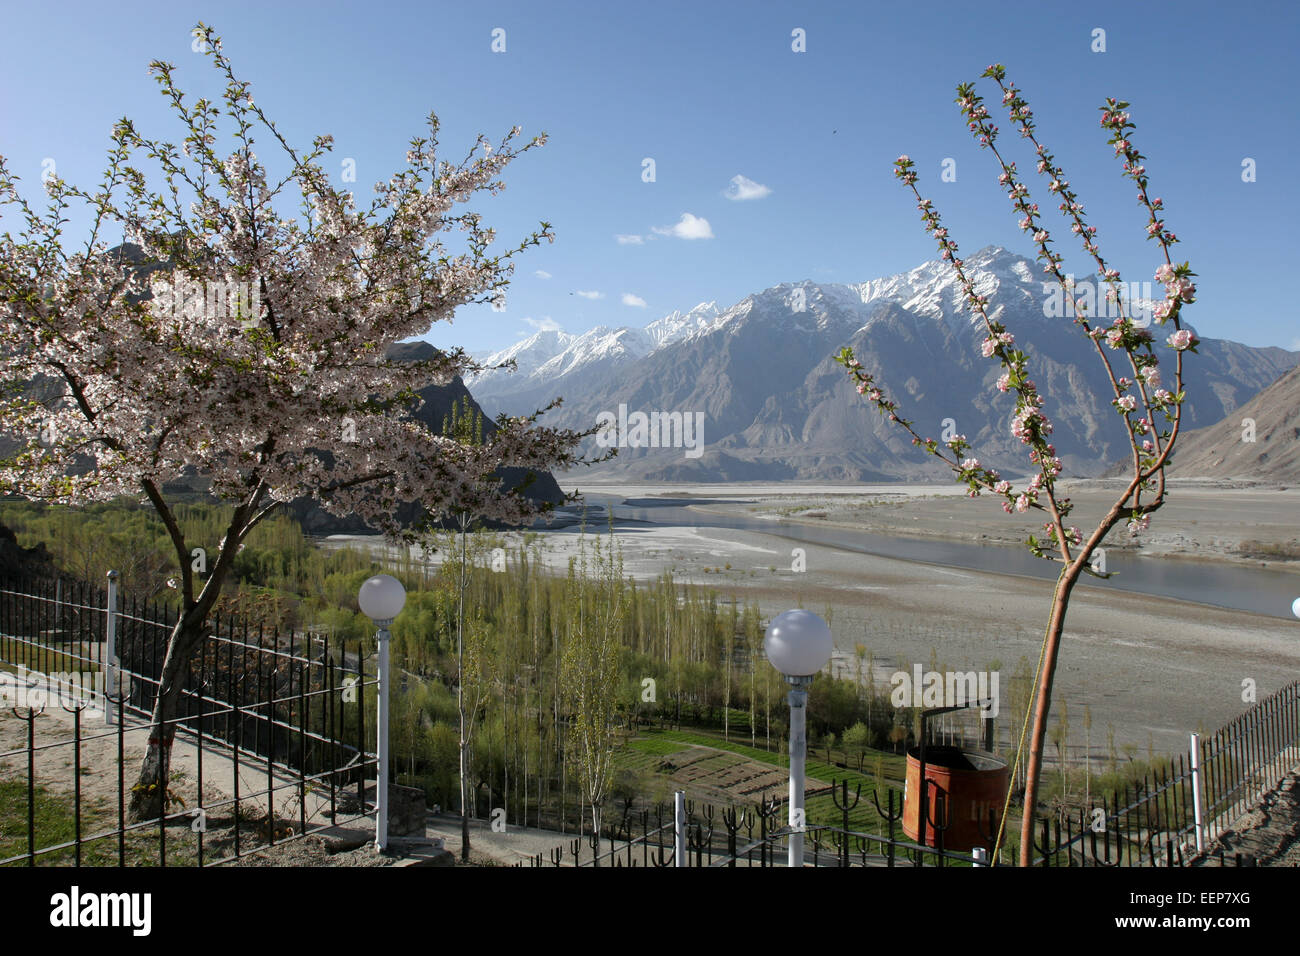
x: 775, y: 406
x: 1260, y: 440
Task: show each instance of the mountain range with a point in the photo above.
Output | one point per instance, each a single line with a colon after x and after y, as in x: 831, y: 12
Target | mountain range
x: 760, y: 379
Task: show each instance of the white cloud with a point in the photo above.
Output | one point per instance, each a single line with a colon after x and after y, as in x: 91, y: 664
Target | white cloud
x: 629, y: 240
x: 633, y: 300
x: 542, y: 274
x: 544, y: 324
x: 688, y: 227
x: 1295, y: 345
x: 590, y: 295
x: 742, y: 188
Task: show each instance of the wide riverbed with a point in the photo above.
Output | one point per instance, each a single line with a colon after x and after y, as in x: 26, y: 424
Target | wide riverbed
x: 1237, y: 586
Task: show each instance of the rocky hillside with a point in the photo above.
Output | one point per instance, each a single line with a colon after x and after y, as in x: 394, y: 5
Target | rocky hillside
x: 760, y: 378
x: 18, y: 563
x: 1225, y: 449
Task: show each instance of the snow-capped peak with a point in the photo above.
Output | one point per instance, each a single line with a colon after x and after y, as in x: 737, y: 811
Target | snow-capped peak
x: 931, y: 289
x: 680, y: 325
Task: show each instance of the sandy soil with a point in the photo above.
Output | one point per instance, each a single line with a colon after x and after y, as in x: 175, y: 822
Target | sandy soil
x: 99, y: 781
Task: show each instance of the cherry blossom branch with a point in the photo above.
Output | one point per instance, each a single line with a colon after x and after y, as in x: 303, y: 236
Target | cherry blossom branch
x: 1122, y: 334
x: 1029, y: 424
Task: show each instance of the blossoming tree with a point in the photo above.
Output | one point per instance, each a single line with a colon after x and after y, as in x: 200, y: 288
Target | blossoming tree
x: 1151, y: 414
x: 248, y: 348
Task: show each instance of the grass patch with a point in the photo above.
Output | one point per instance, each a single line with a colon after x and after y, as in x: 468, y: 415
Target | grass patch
x: 55, y: 824
x: 47, y: 660
x: 895, y: 765
x: 1276, y: 550
x: 820, y: 809
x: 658, y: 747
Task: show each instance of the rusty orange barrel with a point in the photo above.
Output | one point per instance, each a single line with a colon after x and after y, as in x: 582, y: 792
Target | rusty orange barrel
x: 972, y: 783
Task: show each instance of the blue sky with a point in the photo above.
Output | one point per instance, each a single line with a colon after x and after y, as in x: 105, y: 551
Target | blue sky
x: 711, y: 91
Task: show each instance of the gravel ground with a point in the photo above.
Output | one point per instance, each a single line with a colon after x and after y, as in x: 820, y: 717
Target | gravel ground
x: 1270, y: 831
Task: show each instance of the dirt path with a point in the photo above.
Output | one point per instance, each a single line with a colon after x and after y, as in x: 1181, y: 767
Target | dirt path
x: 55, y: 755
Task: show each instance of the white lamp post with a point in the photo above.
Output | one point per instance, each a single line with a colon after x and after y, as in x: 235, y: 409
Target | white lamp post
x: 799, y: 644
x: 382, y: 598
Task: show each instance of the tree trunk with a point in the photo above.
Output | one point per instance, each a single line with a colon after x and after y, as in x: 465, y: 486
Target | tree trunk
x: 1043, y: 706
x: 460, y: 702
x: 148, y: 796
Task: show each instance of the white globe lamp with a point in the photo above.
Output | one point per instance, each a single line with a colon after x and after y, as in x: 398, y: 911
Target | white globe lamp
x: 382, y: 598
x: 799, y: 645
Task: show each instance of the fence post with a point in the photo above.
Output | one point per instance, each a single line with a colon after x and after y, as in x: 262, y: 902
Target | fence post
x: 1196, y: 793
x: 679, y: 828
x: 110, y: 652
x: 979, y: 856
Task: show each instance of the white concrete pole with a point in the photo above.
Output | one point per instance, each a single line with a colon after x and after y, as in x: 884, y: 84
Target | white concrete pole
x: 381, y: 785
x: 798, y: 762
x: 1196, y: 793
x: 109, y: 663
x: 679, y: 828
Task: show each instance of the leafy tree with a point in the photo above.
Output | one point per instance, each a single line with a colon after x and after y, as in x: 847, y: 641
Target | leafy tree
x: 591, y: 675
x: 1060, y: 735
x: 465, y: 426
x: 233, y: 341
x: 856, y: 742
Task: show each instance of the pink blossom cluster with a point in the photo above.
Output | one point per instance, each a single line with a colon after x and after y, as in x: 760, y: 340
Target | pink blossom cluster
x: 1028, y: 424
x: 993, y: 342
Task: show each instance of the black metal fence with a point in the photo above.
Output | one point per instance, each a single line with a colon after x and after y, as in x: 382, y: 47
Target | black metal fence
x: 1152, y: 822
x: 714, y: 836
x: 271, y: 744
x: 270, y: 738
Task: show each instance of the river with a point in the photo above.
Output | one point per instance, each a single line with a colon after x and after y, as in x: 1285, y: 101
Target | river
x: 1222, y: 584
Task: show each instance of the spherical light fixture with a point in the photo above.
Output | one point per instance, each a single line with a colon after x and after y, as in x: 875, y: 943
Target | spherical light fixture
x: 798, y: 643
x: 381, y: 597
